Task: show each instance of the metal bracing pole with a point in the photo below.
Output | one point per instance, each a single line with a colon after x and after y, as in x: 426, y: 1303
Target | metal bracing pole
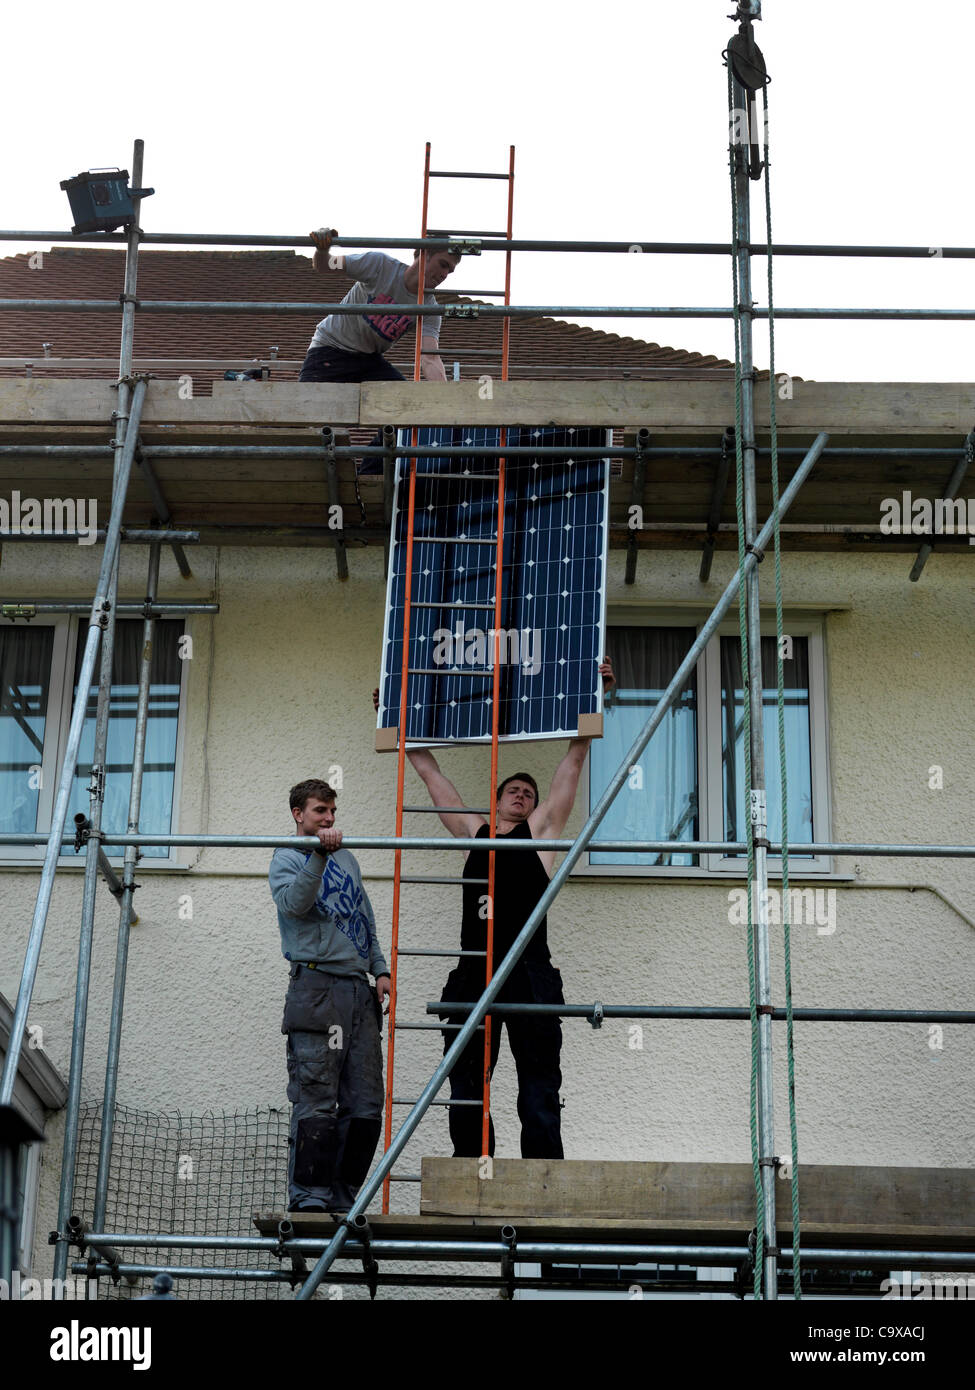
x: 528, y: 1250
x: 128, y: 416
x: 56, y: 836
x: 596, y: 1013
x: 727, y: 847
x: 443, y: 243
x: 951, y: 491
x: 541, y: 451
x: 467, y: 311
x: 163, y: 514
x: 757, y: 812
x: 126, y: 904
x: 159, y: 610
x: 131, y: 535
x: 681, y: 677
x: 93, y: 852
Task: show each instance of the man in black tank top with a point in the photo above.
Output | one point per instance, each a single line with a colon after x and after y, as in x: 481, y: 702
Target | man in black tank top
x: 519, y: 882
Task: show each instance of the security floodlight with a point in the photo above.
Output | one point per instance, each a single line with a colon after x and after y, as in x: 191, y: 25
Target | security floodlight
x: 101, y: 200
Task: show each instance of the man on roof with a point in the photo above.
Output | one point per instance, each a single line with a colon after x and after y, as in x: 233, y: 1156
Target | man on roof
x: 351, y: 347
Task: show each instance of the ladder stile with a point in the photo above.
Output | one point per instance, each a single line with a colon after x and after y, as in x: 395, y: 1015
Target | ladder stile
x: 492, y: 672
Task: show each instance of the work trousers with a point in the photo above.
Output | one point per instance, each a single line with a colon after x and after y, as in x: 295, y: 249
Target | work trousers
x: 536, y: 1044
x: 338, y: 364
x: 335, y: 1085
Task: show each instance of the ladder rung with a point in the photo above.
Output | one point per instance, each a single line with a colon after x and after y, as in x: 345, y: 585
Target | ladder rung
x: 398, y: 1101
x: 451, y: 605
x: 468, y: 231
x: 435, y: 1027
x: 470, y: 293
x: 453, y: 540
x: 418, y: 952
x: 462, y: 478
x: 460, y: 810
x: 444, y: 671
x: 424, y: 878
x: 462, y: 174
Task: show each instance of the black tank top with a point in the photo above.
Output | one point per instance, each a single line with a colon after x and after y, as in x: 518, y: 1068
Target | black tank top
x: 519, y: 881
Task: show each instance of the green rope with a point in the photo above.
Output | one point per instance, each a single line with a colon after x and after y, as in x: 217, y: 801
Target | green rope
x: 780, y: 678
x: 746, y: 729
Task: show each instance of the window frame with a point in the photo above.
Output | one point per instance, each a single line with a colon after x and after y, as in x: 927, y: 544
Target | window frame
x: 797, y: 623
x: 70, y: 629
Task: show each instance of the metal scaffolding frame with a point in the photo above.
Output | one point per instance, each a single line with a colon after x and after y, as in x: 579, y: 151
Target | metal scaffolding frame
x: 352, y: 1238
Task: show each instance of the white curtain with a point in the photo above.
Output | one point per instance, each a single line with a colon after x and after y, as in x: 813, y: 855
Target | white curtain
x: 160, y: 760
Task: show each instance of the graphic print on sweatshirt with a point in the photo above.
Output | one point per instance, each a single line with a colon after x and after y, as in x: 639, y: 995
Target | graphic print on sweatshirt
x: 389, y: 326
x: 342, y: 897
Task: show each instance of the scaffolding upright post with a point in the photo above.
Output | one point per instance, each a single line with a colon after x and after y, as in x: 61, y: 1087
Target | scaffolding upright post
x: 127, y: 421
x: 126, y: 904
x: 743, y: 153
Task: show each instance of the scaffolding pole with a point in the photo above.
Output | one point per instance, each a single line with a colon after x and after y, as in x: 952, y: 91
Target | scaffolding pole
x: 126, y: 903
x: 533, y: 1251
x: 471, y: 310
x: 729, y: 847
x: 681, y: 677
x: 444, y: 243
x: 542, y: 451
x: 756, y: 811
x: 128, y: 535
x: 129, y: 417
x: 595, y: 1013
x: 28, y: 608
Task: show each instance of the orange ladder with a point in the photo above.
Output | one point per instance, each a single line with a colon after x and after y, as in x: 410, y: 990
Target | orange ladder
x: 408, y: 668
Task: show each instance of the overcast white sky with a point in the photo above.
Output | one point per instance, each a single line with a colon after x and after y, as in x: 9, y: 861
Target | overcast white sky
x: 273, y: 119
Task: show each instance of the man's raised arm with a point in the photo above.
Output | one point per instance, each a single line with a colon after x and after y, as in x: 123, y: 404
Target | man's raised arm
x: 444, y: 793
x: 550, y: 818
x: 442, y: 790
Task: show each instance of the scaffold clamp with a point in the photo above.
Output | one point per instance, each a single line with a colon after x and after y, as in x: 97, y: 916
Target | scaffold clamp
x: 362, y: 1231
x: 82, y: 831
x: 596, y: 1017
x: 508, y: 1238
x: 460, y: 311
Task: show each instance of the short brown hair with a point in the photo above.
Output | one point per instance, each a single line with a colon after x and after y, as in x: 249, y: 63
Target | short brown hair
x: 304, y: 791
x: 435, y: 250
x: 520, y: 777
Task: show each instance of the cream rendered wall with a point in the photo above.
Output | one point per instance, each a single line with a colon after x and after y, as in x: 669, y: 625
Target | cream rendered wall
x: 279, y: 689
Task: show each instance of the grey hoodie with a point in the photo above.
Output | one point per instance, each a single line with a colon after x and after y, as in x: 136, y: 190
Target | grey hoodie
x: 324, y: 912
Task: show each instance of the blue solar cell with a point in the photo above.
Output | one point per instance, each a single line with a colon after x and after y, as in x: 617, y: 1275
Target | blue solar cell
x: 553, y: 589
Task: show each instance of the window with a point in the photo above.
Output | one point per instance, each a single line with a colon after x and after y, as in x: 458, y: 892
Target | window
x: 39, y: 669
x: 688, y: 784
x: 25, y: 1201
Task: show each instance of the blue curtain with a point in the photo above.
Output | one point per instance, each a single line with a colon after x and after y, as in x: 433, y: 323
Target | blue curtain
x: 798, y: 761
x: 25, y: 682
x: 659, y: 799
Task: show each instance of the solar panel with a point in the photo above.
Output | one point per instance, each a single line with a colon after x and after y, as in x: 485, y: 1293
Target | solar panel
x: 553, y: 591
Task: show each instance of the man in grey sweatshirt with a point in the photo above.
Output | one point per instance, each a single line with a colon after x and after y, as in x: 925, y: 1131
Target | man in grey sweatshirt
x: 332, y: 1015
